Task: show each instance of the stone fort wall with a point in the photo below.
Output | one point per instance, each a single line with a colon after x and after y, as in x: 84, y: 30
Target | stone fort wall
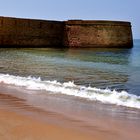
x: 72, y: 33
x: 98, y: 34
x: 29, y: 32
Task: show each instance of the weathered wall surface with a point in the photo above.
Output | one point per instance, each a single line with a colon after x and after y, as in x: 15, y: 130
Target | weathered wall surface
x: 26, y: 32
x: 98, y: 34
x: 72, y: 33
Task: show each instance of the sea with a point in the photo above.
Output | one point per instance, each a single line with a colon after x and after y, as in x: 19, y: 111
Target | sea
x: 93, y: 82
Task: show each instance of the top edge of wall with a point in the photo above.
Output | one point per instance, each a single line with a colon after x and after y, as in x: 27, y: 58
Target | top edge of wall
x: 100, y: 22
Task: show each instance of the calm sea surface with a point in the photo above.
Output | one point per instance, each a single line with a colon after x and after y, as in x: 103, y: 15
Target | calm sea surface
x: 114, y: 69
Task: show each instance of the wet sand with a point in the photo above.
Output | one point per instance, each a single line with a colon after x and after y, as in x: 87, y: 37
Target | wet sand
x: 18, y: 121
x: 22, y: 121
x: 20, y: 127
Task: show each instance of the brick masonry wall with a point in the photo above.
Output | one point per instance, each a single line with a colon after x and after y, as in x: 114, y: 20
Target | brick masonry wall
x: 72, y: 33
x: 98, y: 34
x: 27, y: 32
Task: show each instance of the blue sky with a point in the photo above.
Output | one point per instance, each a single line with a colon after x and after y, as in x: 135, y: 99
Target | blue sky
x: 75, y: 9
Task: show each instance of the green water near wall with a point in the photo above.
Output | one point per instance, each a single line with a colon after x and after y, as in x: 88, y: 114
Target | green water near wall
x: 113, y: 68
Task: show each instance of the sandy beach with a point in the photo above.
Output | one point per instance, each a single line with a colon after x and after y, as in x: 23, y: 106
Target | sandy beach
x: 19, y: 127
x: 19, y: 121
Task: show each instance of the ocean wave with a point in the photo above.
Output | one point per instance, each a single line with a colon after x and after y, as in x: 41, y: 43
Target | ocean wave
x: 108, y: 96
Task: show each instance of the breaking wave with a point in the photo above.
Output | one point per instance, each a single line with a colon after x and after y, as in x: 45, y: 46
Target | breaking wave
x: 108, y: 96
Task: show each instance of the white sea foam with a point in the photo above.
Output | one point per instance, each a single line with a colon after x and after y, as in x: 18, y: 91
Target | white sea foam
x: 108, y: 96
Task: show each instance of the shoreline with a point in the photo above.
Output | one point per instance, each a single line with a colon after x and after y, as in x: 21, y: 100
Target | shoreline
x: 22, y: 119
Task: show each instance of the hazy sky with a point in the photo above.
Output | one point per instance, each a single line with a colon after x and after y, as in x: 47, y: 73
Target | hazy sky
x: 75, y: 9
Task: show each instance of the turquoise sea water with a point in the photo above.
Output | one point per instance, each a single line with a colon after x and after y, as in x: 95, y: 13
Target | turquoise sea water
x: 89, y: 71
